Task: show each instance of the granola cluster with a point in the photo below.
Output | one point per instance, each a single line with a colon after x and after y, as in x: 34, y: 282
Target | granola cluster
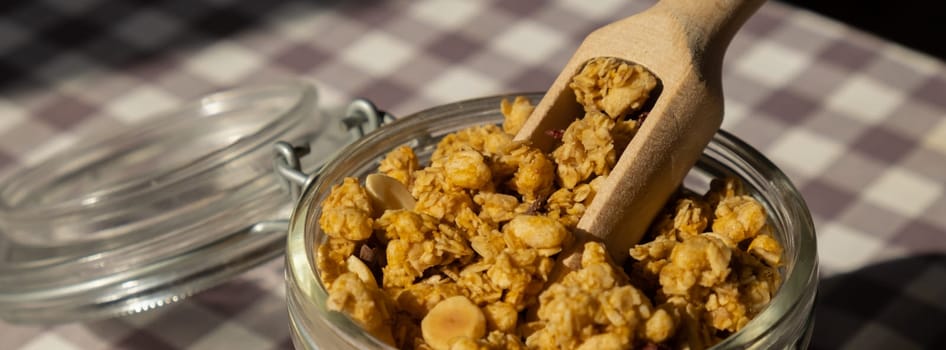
x: 470, y: 264
x: 711, y: 261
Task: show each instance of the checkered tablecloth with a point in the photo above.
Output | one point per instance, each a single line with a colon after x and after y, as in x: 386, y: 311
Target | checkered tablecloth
x: 858, y: 123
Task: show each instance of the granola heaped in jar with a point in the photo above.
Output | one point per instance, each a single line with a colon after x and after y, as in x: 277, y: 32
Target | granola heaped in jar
x: 468, y: 264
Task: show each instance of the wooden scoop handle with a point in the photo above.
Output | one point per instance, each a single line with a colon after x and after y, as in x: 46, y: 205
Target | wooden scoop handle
x: 709, y: 26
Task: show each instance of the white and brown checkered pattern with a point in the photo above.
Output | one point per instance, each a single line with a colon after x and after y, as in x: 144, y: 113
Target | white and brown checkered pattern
x: 858, y: 123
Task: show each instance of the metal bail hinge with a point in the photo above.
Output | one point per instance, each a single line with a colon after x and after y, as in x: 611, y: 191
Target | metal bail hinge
x: 361, y: 117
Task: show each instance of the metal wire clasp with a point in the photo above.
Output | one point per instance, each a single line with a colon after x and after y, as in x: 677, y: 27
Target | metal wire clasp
x: 361, y: 117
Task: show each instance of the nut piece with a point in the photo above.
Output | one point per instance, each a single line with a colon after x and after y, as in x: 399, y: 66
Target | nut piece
x: 359, y: 268
x: 537, y: 231
x: 453, y: 317
x: 387, y: 193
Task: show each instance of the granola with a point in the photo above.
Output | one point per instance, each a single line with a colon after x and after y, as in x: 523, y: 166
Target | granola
x: 612, y: 86
x: 400, y: 164
x: 713, y: 282
x: 470, y: 265
x: 515, y: 113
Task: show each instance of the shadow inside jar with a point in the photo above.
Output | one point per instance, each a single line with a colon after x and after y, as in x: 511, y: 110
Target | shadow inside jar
x: 898, y: 304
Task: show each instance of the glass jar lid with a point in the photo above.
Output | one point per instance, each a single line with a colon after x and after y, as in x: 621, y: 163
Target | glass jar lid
x: 146, y: 216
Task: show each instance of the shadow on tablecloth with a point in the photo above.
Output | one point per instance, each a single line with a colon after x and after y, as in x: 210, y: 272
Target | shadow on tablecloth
x: 899, y: 304
x: 44, y: 42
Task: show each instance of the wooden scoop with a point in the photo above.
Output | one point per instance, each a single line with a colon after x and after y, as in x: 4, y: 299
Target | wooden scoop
x: 682, y: 43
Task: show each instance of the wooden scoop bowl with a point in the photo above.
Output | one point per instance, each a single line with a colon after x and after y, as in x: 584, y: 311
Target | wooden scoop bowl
x: 682, y: 43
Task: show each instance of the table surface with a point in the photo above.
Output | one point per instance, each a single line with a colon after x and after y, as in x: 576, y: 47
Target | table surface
x: 857, y: 123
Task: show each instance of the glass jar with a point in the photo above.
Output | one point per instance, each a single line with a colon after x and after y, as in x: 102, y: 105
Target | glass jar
x: 785, y: 324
